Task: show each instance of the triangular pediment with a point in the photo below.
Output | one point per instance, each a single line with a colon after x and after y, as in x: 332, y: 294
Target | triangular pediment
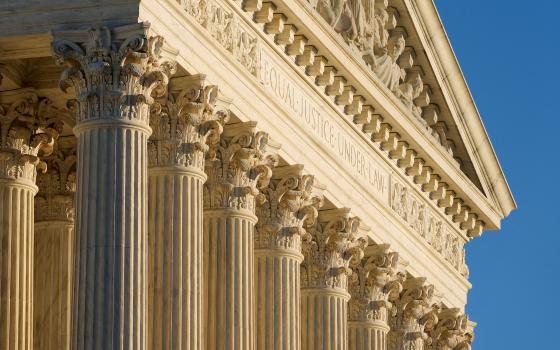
x: 406, y: 47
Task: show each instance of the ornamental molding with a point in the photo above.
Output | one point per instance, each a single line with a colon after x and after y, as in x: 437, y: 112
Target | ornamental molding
x: 289, y: 205
x: 185, y: 123
x: 57, y: 186
x: 374, y: 283
x: 115, y: 72
x: 29, y: 127
x: 239, y: 167
x: 297, y: 48
x: 336, y: 244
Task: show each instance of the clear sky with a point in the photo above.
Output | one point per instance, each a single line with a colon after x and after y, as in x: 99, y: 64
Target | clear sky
x: 509, y: 52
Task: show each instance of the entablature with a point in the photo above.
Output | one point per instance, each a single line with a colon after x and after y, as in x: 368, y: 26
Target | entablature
x: 289, y: 57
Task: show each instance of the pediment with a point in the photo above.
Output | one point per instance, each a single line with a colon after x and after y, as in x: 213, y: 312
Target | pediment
x: 403, y: 42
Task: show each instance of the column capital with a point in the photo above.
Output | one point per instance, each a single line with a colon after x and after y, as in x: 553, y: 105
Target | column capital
x: 115, y: 72
x: 55, y: 199
x: 185, y: 122
x: 336, y: 245
x: 415, y: 313
x: 374, y: 283
x: 238, y: 167
x: 29, y: 126
x: 452, y: 332
x: 290, y: 203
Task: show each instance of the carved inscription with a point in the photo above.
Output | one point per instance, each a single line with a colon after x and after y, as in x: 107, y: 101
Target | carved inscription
x: 325, y: 128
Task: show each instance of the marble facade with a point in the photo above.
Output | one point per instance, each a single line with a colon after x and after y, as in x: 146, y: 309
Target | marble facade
x: 238, y: 175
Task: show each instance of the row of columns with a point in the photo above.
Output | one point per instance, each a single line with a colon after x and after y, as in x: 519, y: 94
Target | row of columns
x: 187, y: 232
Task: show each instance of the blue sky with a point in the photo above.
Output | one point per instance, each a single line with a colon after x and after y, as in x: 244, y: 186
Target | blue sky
x: 508, y: 51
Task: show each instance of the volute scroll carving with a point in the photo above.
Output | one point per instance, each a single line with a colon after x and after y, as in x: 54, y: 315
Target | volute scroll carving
x: 239, y: 167
x: 336, y: 245
x: 374, y: 284
x: 185, y: 123
x: 29, y: 127
x: 415, y: 315
x: 452, y: 332
x: 289, y: 205
x: 115, y: 75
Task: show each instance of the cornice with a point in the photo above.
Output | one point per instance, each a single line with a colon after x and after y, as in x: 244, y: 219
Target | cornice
x: 468, y: 120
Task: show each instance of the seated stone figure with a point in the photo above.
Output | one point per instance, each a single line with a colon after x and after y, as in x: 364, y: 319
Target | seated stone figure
x: 410, y: 90
x: 386, y: 66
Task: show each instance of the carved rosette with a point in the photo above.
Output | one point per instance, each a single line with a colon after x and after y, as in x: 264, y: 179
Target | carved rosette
x: 55, y: 199
x: 238, y: 167
x: 373, y: 285
x: 184, y: 124
x: 415, y: 315
x: 452, y: 331
x: 289, y: 204
x: 29, y: 126
x: 115, y: 75
x: 335, y: 246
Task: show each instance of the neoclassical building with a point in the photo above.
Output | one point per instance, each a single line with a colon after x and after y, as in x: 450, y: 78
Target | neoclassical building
x: 237, y: 175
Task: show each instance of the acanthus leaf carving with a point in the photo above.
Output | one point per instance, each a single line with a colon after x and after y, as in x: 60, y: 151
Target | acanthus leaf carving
x: 29, y: 127
x: 290, y: 205
x: 336, y: 245
x: 238, y: 167
x: 374, y: 283
x: 185, y: 123
x: 113, y: 78
x: 55, y: 199
x: 415, y: 315
x: 452, y: 331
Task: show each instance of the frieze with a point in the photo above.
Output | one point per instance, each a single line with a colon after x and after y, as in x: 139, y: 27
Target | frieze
x: 425, y: 222
x: 224, y: 26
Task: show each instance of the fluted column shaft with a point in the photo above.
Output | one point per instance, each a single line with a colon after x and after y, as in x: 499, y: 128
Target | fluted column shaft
x: 228, y: 264
x: 54, y: 248
x: 286, y: 207
x: 238, y: 168
x: 116, y: 73
x: 367, y: 335
x: 16, y: 264
x: 175, y: 262
x: 277, y: 286
x: 182, y: 125
x: 54, y: 245
x: 28, y: 130
x: 324, y: 319
x: 111, y: 237
x: 336, y: 245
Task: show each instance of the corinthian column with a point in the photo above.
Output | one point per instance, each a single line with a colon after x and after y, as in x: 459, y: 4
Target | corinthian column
x: 54, y: 249
x: 183, y: 124
x: 27, y: 130
x: 374, y: 282
x: 452, y: 332
x: 335, y: 246
x: 237, y: 168
x: 114, y: 73
x: 289, y: 205
x: 415, y: 315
